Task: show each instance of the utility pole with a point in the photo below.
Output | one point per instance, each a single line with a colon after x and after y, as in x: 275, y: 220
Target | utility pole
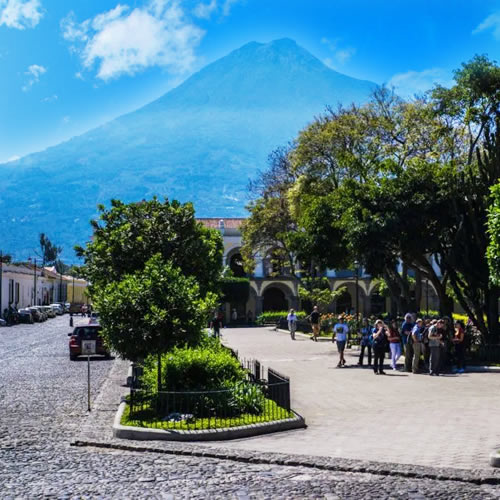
x: 73, y: 300
x: 34, y: 284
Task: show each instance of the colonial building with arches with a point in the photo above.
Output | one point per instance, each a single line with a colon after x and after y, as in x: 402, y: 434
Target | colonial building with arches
x: 271, y: 292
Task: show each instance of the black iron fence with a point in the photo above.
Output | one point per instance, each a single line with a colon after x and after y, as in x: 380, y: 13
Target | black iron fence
x: 254, y: 401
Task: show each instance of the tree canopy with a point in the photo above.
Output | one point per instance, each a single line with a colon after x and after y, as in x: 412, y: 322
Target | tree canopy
x: 402, y: 187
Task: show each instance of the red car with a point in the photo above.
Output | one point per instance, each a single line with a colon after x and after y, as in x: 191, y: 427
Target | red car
x: 89, y: 333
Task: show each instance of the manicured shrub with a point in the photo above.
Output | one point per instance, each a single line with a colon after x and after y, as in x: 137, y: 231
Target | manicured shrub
x: 274, y: 316
x: 195, y: 369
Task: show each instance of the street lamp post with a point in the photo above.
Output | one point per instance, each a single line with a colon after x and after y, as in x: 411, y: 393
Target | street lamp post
x: 356, y: 263
x: 34, y: 279
x: 427, y: 296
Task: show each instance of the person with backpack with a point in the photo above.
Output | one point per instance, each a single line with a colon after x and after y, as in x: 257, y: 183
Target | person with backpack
x: 366, y: 342
x: 379, y: 346
x: 406, y: 329
x: 417, y: 335
x: 215, y: 325
x: 340, y: 332
x: 435, y: 335
x: 292, y: 323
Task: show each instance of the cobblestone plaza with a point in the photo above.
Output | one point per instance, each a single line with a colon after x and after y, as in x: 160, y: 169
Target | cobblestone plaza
x: 43, y: 410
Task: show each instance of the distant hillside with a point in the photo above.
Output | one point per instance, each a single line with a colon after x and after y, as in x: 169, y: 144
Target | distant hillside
x: 200, y: 142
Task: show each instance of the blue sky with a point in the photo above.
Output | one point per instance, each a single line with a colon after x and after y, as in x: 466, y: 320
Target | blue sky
x: 67, y: 66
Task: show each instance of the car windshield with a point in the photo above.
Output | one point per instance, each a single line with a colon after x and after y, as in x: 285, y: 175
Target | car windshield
x: 87, y: 333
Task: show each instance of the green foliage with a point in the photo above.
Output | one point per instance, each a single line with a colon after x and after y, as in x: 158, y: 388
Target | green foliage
x: 127, y: 235
x: 153, y: 310
x: 493, y: 252
x: 209, y: 367
x: 317, y: 292
x: 272, y: 317
x: 234, y: 289
x: 50, y: 252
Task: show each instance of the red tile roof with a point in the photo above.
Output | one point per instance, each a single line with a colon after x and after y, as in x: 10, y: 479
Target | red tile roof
x: 229, y: 223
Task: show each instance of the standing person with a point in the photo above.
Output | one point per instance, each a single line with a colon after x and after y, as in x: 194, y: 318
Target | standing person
x: 459, y: 343
x: 435, y: 340
x: 446, y: 347
x: 215, y: 324
x: 417, y: 335
x: 366, y: 342
x: 314, y: 318
x: 340, y: 331
x: 234, y: 316
x: 292, y: 323
x: 394, y: 343
x: 406, y: 329
x: 379, y: 346
x: 426, y: 350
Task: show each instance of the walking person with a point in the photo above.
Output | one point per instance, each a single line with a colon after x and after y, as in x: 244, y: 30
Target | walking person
x: 435, y: 343
x: 292, y: 323
x: 406, y: 329
x: 366, y: 342
x: 340, y: 332
x: 215, y: 325
x: 379, y: 347
x: 417, y: 336
x: 394, y: 343
x: 459, y: 344
x: 314, y: 318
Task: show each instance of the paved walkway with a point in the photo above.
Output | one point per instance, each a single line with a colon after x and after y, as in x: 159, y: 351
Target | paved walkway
x: 447, y: 421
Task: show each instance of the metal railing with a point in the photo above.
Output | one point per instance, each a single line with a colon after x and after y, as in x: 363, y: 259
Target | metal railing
x: 250, y: 402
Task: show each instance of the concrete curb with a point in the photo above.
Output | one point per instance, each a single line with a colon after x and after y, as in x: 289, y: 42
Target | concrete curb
x: 495, y: 459
x: 145, y: 434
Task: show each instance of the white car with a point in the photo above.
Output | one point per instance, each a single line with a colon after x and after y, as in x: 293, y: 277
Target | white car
x: 58, y: 309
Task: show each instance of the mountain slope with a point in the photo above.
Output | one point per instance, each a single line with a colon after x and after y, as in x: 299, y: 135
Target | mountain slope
x: 201, y: 141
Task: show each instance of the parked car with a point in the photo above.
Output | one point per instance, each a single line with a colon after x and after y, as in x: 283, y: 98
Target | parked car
x: 3, y: 322
x: 48, y: 311
x: 37, y: 315
x: 58, y: 309
x: 25, y: 316
x: 87, y: 332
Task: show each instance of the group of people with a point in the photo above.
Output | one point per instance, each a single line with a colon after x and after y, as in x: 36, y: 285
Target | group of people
x: 424, y: 343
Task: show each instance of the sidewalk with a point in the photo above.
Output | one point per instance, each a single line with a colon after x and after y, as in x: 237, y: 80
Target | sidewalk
x: 447, y: 421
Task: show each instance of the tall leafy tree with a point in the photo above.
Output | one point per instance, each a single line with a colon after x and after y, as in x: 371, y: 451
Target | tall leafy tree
x: 49, y: 251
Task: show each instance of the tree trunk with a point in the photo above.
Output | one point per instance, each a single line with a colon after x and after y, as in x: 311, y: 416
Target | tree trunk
x: 418, y: 290
x: 159, y: 372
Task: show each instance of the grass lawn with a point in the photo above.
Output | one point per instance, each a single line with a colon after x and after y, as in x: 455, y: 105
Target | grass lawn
x: 147, y: 418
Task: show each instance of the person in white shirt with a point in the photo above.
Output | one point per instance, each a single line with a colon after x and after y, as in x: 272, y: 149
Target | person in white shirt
x: 340, y: 332
x: 292, y: 323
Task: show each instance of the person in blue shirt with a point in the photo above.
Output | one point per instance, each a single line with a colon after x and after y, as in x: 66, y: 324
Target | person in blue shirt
x: 417, y: 336
x: 366, y: 342
x: 340, y: 333
x: 406, y: 329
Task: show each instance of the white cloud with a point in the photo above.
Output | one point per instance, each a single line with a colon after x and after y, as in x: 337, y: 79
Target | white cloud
x: 205, y: 9
x: 491, y: 22
x: 20, y: 14
x: 339, y: 55
x: 126, y: 41
x: 417, y: 82
x: 50, y: 98
x: 13, y: 158
x: 66, y: 119
x: 34, y: 73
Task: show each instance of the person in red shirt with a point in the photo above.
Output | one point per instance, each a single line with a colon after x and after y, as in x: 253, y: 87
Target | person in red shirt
x: 394, y: 343
x: 458, y: 341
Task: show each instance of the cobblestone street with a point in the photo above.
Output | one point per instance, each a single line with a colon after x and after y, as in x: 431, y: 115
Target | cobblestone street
x: 43, y: 408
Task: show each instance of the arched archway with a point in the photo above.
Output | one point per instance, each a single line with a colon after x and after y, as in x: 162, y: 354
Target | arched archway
x: 236, y: 265
x: 274, y: 299
x: 343, y: 304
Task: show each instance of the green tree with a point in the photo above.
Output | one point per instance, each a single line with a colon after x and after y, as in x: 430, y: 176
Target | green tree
x: 494, y: 235
x: 152, y: 310
x: 128, y: 235
x: 50, y: 252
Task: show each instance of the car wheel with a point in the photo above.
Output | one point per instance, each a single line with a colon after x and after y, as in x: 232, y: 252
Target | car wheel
x: 107, y: 355
x: 72, y: 358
